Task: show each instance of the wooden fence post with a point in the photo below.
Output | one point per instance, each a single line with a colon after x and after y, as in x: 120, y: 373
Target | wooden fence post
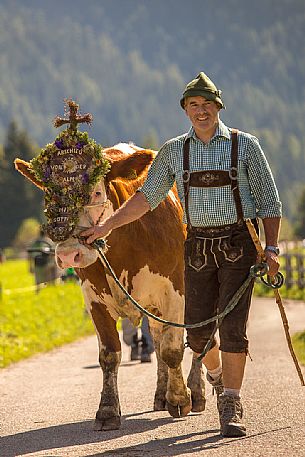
x: 300, y: 270
x: 288, y: 271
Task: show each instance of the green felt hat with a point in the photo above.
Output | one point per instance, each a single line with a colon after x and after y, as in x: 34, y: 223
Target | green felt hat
x: 203, y: 86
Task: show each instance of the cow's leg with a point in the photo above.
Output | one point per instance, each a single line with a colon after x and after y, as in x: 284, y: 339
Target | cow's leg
x: 171, y: 386
x: 162, y: 372
x: 195, y: 382
x: 178, y: 395
x: 108, y: 416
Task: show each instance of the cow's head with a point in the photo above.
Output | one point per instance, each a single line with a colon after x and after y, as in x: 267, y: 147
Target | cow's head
x: 77, y: 177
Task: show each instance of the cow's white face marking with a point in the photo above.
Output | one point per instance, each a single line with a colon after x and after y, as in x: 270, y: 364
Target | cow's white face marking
x: 103, y: 209
x: 72, y: 253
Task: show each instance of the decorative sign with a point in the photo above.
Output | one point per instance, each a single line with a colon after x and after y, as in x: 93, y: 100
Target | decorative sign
x: 69, y: 169
x: 69, y: 166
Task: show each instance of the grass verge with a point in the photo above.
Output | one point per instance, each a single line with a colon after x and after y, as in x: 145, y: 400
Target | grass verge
x: 293, y: 293
x: 33, y: 322
x: 298, y: 341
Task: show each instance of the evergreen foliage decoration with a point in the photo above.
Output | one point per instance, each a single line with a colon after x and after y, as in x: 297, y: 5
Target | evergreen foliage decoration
x: 69, y: 168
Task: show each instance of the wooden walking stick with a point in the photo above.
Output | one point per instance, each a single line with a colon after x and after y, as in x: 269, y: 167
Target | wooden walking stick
x: 278, y: 299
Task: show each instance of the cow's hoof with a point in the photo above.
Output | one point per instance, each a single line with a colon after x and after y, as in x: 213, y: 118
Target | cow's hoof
x: 185, y: 409
x: 198, y: 405
x: 111, y: 423
x: 179, y: 410
x: 174, y: 410
x: 159, y: 405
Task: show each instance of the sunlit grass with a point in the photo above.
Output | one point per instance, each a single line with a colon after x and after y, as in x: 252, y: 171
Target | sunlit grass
x: 15, y: 274
x: 33, y: 322
x: 298, y: 341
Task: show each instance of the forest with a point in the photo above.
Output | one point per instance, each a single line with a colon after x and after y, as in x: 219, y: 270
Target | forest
x: 127, y: 62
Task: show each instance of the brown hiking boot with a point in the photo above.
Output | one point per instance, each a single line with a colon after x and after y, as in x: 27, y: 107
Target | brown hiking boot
x: 216, y: 384
x: 230, y: 415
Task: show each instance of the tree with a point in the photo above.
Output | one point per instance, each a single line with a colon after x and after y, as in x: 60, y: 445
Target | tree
x: 19, y: 199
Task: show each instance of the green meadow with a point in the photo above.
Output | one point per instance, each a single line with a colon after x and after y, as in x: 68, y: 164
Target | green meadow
x: 33, y: 322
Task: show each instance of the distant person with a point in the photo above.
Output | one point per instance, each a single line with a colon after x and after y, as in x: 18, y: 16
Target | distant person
x: 42, y: 260
x: 223, y: 178
x: 2, y: 256
x: 141, y: 348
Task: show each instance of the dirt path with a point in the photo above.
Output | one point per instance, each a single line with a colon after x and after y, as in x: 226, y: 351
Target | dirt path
x: 48, y: 402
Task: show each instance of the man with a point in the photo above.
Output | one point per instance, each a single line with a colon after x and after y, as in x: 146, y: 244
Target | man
x: 222, y: 179
x: 42, y: 261
x: 2, y: 256
x: 131, y: 338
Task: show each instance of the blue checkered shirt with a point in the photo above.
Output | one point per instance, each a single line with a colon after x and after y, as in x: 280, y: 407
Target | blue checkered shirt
x: 214, y: 206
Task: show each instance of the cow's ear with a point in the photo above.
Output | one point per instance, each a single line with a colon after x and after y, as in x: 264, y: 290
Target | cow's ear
x: 26, y: 170
x: 130, y: 167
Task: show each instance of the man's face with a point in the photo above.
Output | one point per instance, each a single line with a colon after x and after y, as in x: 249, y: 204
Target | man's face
x: 202, y: 113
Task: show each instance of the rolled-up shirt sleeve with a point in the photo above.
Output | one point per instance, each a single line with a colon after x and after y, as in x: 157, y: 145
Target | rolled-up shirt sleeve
x: 160, y: 179
x: 262, y: 183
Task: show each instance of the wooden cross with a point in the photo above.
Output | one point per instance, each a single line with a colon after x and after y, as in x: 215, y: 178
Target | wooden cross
x: 73, y: 117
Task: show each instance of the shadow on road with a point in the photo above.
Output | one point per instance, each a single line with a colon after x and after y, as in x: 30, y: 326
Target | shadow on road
x: 122, y: 365
x: 171, y: 447
x: 81, y: 433
x: 74, y: 434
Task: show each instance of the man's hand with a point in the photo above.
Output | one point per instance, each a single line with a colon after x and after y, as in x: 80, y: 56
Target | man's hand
x: 133, y: 209
x: 97, y: 231
x: 272, y: 262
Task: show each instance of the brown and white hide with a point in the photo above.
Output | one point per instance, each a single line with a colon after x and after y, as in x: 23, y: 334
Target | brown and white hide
x: 147, y: 257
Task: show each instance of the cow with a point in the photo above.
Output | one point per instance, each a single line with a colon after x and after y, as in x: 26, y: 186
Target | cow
x: 147, y: 257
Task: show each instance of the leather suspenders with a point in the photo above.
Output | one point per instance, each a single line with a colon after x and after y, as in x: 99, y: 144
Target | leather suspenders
x: 212, y: 178
x: 233, y: 173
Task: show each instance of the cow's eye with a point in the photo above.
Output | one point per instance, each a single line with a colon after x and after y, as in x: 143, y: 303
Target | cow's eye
x: 98, y: 194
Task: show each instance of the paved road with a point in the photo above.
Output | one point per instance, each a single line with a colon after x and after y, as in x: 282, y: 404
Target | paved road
x: 48, y: 402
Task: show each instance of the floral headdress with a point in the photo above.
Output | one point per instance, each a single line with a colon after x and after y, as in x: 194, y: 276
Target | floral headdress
x: 69, y: 169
